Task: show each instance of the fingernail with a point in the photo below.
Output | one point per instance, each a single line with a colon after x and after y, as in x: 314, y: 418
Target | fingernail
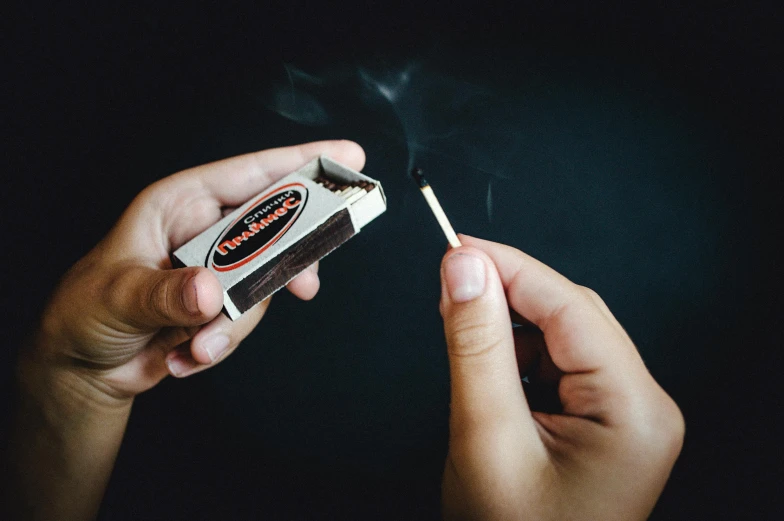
x: 180, y: 365
x: 216, y: 345
x: 189, y: 297
x: 465, y: 277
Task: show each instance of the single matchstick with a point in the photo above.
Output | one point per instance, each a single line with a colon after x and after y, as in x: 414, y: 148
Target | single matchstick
x: 430, y: 197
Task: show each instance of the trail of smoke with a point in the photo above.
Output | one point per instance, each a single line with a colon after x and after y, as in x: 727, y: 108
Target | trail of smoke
x: 437, y: 114
x: 393, y: 92
x: 497, y: 174
x: 287, y: 100
x: 489, y: 201
x: 291, y: 83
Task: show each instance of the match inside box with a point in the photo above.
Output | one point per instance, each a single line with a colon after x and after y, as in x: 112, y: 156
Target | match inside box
x: 259, y: 247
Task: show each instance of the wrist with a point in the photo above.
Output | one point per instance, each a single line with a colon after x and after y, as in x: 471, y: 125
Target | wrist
x: 63, y: 441
x: 45, y: 373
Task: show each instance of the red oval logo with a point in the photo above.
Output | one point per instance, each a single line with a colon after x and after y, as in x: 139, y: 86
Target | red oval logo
x: 261, y: 226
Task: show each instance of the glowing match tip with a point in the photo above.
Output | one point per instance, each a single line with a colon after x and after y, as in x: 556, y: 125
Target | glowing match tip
x: 419, y: 176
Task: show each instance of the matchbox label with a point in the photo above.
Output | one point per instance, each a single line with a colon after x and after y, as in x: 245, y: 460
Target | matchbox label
x: 265, y: 222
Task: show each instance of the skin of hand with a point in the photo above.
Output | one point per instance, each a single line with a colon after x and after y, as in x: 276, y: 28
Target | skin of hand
x: 601, y: 448
x: 121, y: 320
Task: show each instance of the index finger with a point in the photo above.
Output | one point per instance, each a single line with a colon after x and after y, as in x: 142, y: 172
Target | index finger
x: 580, y: 336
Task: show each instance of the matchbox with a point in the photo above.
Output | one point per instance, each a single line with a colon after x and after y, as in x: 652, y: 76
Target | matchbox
x: 259, y: 247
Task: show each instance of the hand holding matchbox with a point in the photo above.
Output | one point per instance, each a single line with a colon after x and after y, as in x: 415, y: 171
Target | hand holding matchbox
x: 259, y: 247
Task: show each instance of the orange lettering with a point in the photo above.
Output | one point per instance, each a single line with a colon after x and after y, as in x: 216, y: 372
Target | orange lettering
x: 289, y: 204
x: 224, y: 245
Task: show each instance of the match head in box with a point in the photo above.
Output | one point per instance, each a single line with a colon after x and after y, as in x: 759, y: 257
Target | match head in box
x: 262, y: 245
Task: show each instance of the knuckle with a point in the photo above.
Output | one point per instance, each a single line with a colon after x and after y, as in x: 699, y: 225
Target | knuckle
x: 591, y: 294
x: 584, y: 396
x: 114, y: 290
x: 152, y: 191
x: 469, y: 338
x: 661, y: 428
x: 673, y: 427
x: 157, y: 299
x: 589, y: 291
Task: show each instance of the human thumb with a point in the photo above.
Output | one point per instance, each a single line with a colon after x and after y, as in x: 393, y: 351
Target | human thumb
x: 486, y: 388
x: 152, y: 298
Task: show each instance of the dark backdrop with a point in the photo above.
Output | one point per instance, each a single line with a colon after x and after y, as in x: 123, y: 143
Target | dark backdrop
x: 636, y: 149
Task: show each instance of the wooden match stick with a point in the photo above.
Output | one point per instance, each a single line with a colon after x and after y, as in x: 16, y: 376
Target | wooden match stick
x: 430, y: 197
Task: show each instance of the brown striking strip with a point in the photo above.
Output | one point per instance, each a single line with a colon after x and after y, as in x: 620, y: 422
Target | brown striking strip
x: 269, y: 278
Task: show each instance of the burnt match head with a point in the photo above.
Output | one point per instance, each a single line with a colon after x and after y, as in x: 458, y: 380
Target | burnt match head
x: 419, y: 176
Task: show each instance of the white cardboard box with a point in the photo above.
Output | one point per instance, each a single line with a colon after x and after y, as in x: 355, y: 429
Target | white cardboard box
x: 259, y: 247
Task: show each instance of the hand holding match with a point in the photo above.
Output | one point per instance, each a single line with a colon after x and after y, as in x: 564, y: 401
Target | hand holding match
x: 587, y: 448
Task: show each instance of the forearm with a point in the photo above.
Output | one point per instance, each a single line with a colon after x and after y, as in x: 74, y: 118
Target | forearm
x: 63, y: 443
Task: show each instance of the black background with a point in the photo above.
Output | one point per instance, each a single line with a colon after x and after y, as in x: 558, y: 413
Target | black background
x: 636, y: 149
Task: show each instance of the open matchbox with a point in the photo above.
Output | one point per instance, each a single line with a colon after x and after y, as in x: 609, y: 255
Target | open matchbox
x: 259, y: 247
